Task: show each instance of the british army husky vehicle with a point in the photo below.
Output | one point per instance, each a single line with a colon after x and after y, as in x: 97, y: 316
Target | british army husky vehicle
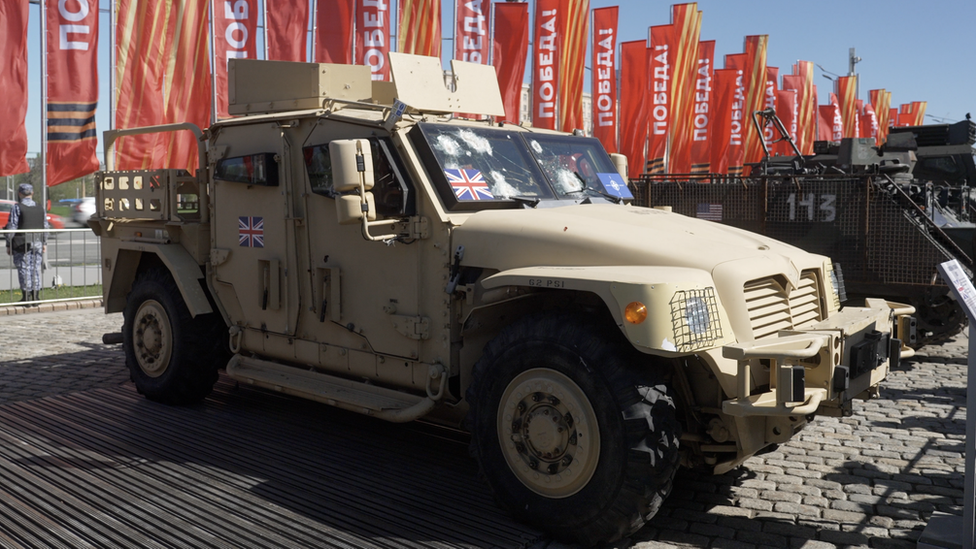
x: 353, y: 243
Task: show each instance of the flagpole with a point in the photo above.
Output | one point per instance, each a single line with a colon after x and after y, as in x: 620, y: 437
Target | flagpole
x: 113, y: 59
x: 454, y: 42
x: 264, y: 19
x: 213, y: 62
x: 315, y: 9
x: 43, y: 105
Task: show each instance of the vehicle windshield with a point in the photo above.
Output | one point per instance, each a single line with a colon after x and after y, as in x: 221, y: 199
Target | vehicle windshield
x: 482, y: 167
x: 572, y: 164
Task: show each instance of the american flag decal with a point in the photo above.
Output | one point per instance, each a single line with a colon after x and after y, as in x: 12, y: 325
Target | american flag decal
x: 710, y: 212
x: 250, y: 231
x: 469, y: 185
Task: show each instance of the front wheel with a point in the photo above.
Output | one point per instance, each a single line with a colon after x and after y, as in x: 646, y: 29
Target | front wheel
x: 172, y: 357
x: 572, y: 436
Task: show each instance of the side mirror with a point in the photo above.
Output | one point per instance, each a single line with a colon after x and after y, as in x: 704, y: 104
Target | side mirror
x: 349, y: 208
x: 620, y: 162
x: 352, y: 165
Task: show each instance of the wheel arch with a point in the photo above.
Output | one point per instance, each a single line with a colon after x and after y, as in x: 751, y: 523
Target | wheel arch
x: 123, y: 264
x: 616, y: 287
x: 487, y: 321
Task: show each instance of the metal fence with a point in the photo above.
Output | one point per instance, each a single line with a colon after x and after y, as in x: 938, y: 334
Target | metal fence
x: 71, y: 266
x: 854, y: 220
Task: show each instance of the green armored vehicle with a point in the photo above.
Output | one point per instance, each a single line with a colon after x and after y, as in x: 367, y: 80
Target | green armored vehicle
x: 353, y: 243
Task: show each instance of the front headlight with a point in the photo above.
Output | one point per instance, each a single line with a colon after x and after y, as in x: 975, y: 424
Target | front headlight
x: 837, y: 283
x: 696, y: 315
x: 695, y: 319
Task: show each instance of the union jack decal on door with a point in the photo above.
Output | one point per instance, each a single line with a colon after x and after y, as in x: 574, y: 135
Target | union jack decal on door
x: 250, y: 231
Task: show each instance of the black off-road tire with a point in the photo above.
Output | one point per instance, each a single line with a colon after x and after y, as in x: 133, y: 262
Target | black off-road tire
x: 534, y: 372
x: 172, y: 357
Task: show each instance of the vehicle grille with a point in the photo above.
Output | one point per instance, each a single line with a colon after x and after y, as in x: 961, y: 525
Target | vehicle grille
x: 771, y: 309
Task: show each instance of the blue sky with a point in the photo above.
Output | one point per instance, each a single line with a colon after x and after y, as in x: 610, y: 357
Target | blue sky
x: 919, y: 51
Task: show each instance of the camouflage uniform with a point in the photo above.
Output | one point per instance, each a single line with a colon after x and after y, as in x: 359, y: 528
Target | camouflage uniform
x: 27, y: 260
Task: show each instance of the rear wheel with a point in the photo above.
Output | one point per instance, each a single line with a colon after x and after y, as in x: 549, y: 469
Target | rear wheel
x: 172, y: 357
x: 572, y: 436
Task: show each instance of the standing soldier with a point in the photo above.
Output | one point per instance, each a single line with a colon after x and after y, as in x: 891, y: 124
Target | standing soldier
x: 28, y: 249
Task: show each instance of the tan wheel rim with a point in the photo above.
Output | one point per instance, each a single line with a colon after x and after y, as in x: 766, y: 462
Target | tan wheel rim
x: 548, y: 433
x: 152, y: 338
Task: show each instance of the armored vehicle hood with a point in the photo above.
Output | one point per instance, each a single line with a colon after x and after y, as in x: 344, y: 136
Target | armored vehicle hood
x: 611, y: 235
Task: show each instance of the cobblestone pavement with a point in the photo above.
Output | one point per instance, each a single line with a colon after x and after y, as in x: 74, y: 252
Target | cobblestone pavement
x: 870, y: 480
x: 50, y: 353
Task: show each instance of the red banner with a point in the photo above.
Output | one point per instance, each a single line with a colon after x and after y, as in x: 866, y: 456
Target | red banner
x: 846, y: 90
x: 831, y: 124
x: 235, y: 38
x: 705, y: 111
x: 868, y: 123
x: 604, y: 79
x: 287, y: 30
x: 880, y: 102
x: 373, y: 37
x: 634, y: 104
x: 420, y: 27
x: 825, y: 122
x: 545, y: 63
x: 472, y: 35
x: 72, y: 88
x: 787, y: 110
x: 574, y: 31
x: 755, y: 84
x: 13, y: 82
x: 726, y: 84
x: 511, y: 44
x: 335, y: 26
x: 918, y: 110
x: 770, y: 133
x: 806, y: 99
x: 737, y: 111
x: 686, y: 25
x: 150, y: 53
x: 660, y: 63
x: 140, y: 39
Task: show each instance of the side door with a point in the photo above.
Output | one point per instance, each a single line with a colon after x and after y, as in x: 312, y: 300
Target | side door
x: 365, y: 294
x: 253, y: 254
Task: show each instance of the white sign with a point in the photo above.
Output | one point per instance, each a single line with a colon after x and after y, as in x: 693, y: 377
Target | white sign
x: 955, y: 276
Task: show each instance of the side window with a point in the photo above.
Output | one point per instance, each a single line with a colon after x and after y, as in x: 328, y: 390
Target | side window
x: 391, y: 193
x: 255, y: 169
x: 318, y: 164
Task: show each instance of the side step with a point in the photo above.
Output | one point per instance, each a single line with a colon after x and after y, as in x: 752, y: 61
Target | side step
x: 354, y: 396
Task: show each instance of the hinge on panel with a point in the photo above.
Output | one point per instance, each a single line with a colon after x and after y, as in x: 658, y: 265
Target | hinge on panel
x: 414, y: 327
x: 419, y: 227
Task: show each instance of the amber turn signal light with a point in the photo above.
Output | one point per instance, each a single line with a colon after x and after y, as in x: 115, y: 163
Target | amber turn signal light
x: 635, y: 312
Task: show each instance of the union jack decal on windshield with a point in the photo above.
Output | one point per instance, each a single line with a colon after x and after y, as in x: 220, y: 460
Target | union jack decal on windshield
x: 469, y: 185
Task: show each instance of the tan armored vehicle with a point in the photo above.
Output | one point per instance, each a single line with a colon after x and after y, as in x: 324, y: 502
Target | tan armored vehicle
x: 384, y: 257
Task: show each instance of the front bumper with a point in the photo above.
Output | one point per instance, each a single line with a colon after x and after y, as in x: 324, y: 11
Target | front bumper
x: 822, y: 368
